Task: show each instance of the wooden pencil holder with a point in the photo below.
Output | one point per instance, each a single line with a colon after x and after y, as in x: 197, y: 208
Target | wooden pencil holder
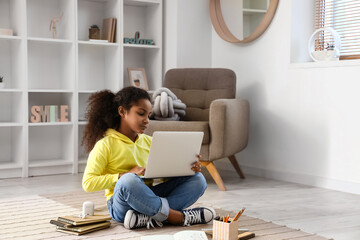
x: 225, y: 231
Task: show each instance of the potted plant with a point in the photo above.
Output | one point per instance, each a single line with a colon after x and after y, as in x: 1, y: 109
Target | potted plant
x: 94, y: 32
x: 1, y: 82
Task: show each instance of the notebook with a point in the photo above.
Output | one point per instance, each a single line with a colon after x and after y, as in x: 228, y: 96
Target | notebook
x: 74, y: 220
x: 84, y: 229
x: 172, y: 154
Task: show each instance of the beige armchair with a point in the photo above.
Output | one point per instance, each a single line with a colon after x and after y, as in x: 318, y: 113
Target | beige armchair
x: 209, y: 94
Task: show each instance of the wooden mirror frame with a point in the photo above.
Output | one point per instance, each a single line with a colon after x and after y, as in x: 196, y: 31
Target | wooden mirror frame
x: 223, y: 31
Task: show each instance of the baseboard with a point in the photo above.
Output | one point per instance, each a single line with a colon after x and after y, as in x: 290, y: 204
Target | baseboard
x: 316, y: 181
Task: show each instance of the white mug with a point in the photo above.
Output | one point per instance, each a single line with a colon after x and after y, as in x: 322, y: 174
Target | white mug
x: 88, y: 209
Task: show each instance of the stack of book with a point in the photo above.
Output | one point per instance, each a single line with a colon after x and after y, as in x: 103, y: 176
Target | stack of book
x: 78, y: 226
x: 109, y: 30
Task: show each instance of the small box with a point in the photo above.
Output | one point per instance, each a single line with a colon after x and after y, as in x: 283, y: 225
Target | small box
x: 225, y: 231
x: 8, y: 32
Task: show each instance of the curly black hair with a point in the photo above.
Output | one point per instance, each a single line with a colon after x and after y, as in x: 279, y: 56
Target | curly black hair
x: 102, y: 112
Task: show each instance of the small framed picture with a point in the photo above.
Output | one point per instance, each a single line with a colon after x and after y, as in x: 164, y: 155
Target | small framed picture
x: 137, y: 77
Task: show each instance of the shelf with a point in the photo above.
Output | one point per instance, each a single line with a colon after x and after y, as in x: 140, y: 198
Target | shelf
x: 94, y: 12
x: 42, y: 124
x: 11, y: 148
x: 57, y: 99
x: 87, y: 91
x: 141, y: 46
x: 11, y: 105
x: 40, y: 13
x: 14, y: 90
x: 10, y: 124
x: 98, y: 67
x: 83, y: 100
x: 10, y: 37
x: 51, y: 145
x: 255, y: 4
x: 82, y: 154
x: 49, y: 163
x: 245, y: 10
x: 143, y: 58
x: 50, y: 40
x: 144, y: 17
x: 141, y: 3
x: 11, y: 60
x: 82, y: 123
x: 9, y: 165
x: 51, y: 66
x: 98, y: 43
x: 11, y: 16
x: 49, y: 91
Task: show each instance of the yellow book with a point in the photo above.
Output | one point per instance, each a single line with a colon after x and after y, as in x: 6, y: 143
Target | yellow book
x: 79, y: 230
x: 77, y: 220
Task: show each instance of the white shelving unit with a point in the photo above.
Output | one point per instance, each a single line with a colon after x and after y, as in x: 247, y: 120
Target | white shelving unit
x: 41, y: 70
x: 253, y: 12
x: 144, y: 17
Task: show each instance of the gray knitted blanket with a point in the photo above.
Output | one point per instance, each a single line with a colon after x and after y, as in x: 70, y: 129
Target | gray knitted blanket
x: 167, y: 106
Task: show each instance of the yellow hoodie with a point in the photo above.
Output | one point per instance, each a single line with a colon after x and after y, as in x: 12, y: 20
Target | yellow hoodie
x: 114, y: 154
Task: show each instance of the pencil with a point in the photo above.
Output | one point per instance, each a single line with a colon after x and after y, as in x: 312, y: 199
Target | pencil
x: 237, y: 216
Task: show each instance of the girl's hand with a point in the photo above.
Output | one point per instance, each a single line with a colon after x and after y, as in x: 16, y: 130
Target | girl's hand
x: 137, y: 170
x: 196, y: 166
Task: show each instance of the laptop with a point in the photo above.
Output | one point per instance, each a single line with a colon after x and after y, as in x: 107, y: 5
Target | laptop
x: 172, y: 153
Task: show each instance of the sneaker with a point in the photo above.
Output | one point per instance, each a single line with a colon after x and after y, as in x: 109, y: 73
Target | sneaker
x: 138, y: 220
x: 200, y: 215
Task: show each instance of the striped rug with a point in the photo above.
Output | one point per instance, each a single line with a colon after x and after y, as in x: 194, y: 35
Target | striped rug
x: 28, y: 218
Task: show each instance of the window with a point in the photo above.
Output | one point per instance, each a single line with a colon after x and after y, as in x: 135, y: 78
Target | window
x: 344, y: 17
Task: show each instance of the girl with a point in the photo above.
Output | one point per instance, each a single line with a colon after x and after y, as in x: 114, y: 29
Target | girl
x: 118, y: 153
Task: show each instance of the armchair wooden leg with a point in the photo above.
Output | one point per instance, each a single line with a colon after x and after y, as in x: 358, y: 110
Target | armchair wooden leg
x: 236, y: 166
x: 214, y: 174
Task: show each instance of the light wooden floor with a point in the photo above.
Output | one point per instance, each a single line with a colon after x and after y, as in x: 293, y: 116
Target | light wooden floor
x: 328, y: 213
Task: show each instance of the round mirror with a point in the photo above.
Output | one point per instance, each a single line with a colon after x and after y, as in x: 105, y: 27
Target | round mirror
x: 254, y: 17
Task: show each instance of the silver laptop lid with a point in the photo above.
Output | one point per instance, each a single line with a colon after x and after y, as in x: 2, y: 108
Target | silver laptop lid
x: 172, y: 153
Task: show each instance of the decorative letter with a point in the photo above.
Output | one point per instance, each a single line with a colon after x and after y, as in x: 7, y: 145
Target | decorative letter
x: 45, y: 113
x: 137, y: 36
x: 53, y: 109
x: 35, y: 118
x: 63, y: 113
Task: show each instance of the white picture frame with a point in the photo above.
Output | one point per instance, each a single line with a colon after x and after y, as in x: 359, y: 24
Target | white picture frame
x: 137, y: 78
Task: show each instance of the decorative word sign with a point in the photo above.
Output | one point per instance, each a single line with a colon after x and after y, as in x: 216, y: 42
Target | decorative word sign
x: 137, y: 40
x: 49, y: 113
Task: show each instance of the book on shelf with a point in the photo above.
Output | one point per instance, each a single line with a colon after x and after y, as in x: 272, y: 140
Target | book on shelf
x: 109, y: 29
x: 186, y: 234
x: 113, y: 30
x: 77, y: 220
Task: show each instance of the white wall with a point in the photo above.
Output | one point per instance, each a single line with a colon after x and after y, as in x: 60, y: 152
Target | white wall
x: 187, y: 34
x: 304, y: 120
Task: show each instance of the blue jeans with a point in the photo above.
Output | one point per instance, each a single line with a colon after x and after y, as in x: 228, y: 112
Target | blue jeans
x: 177, y: 193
